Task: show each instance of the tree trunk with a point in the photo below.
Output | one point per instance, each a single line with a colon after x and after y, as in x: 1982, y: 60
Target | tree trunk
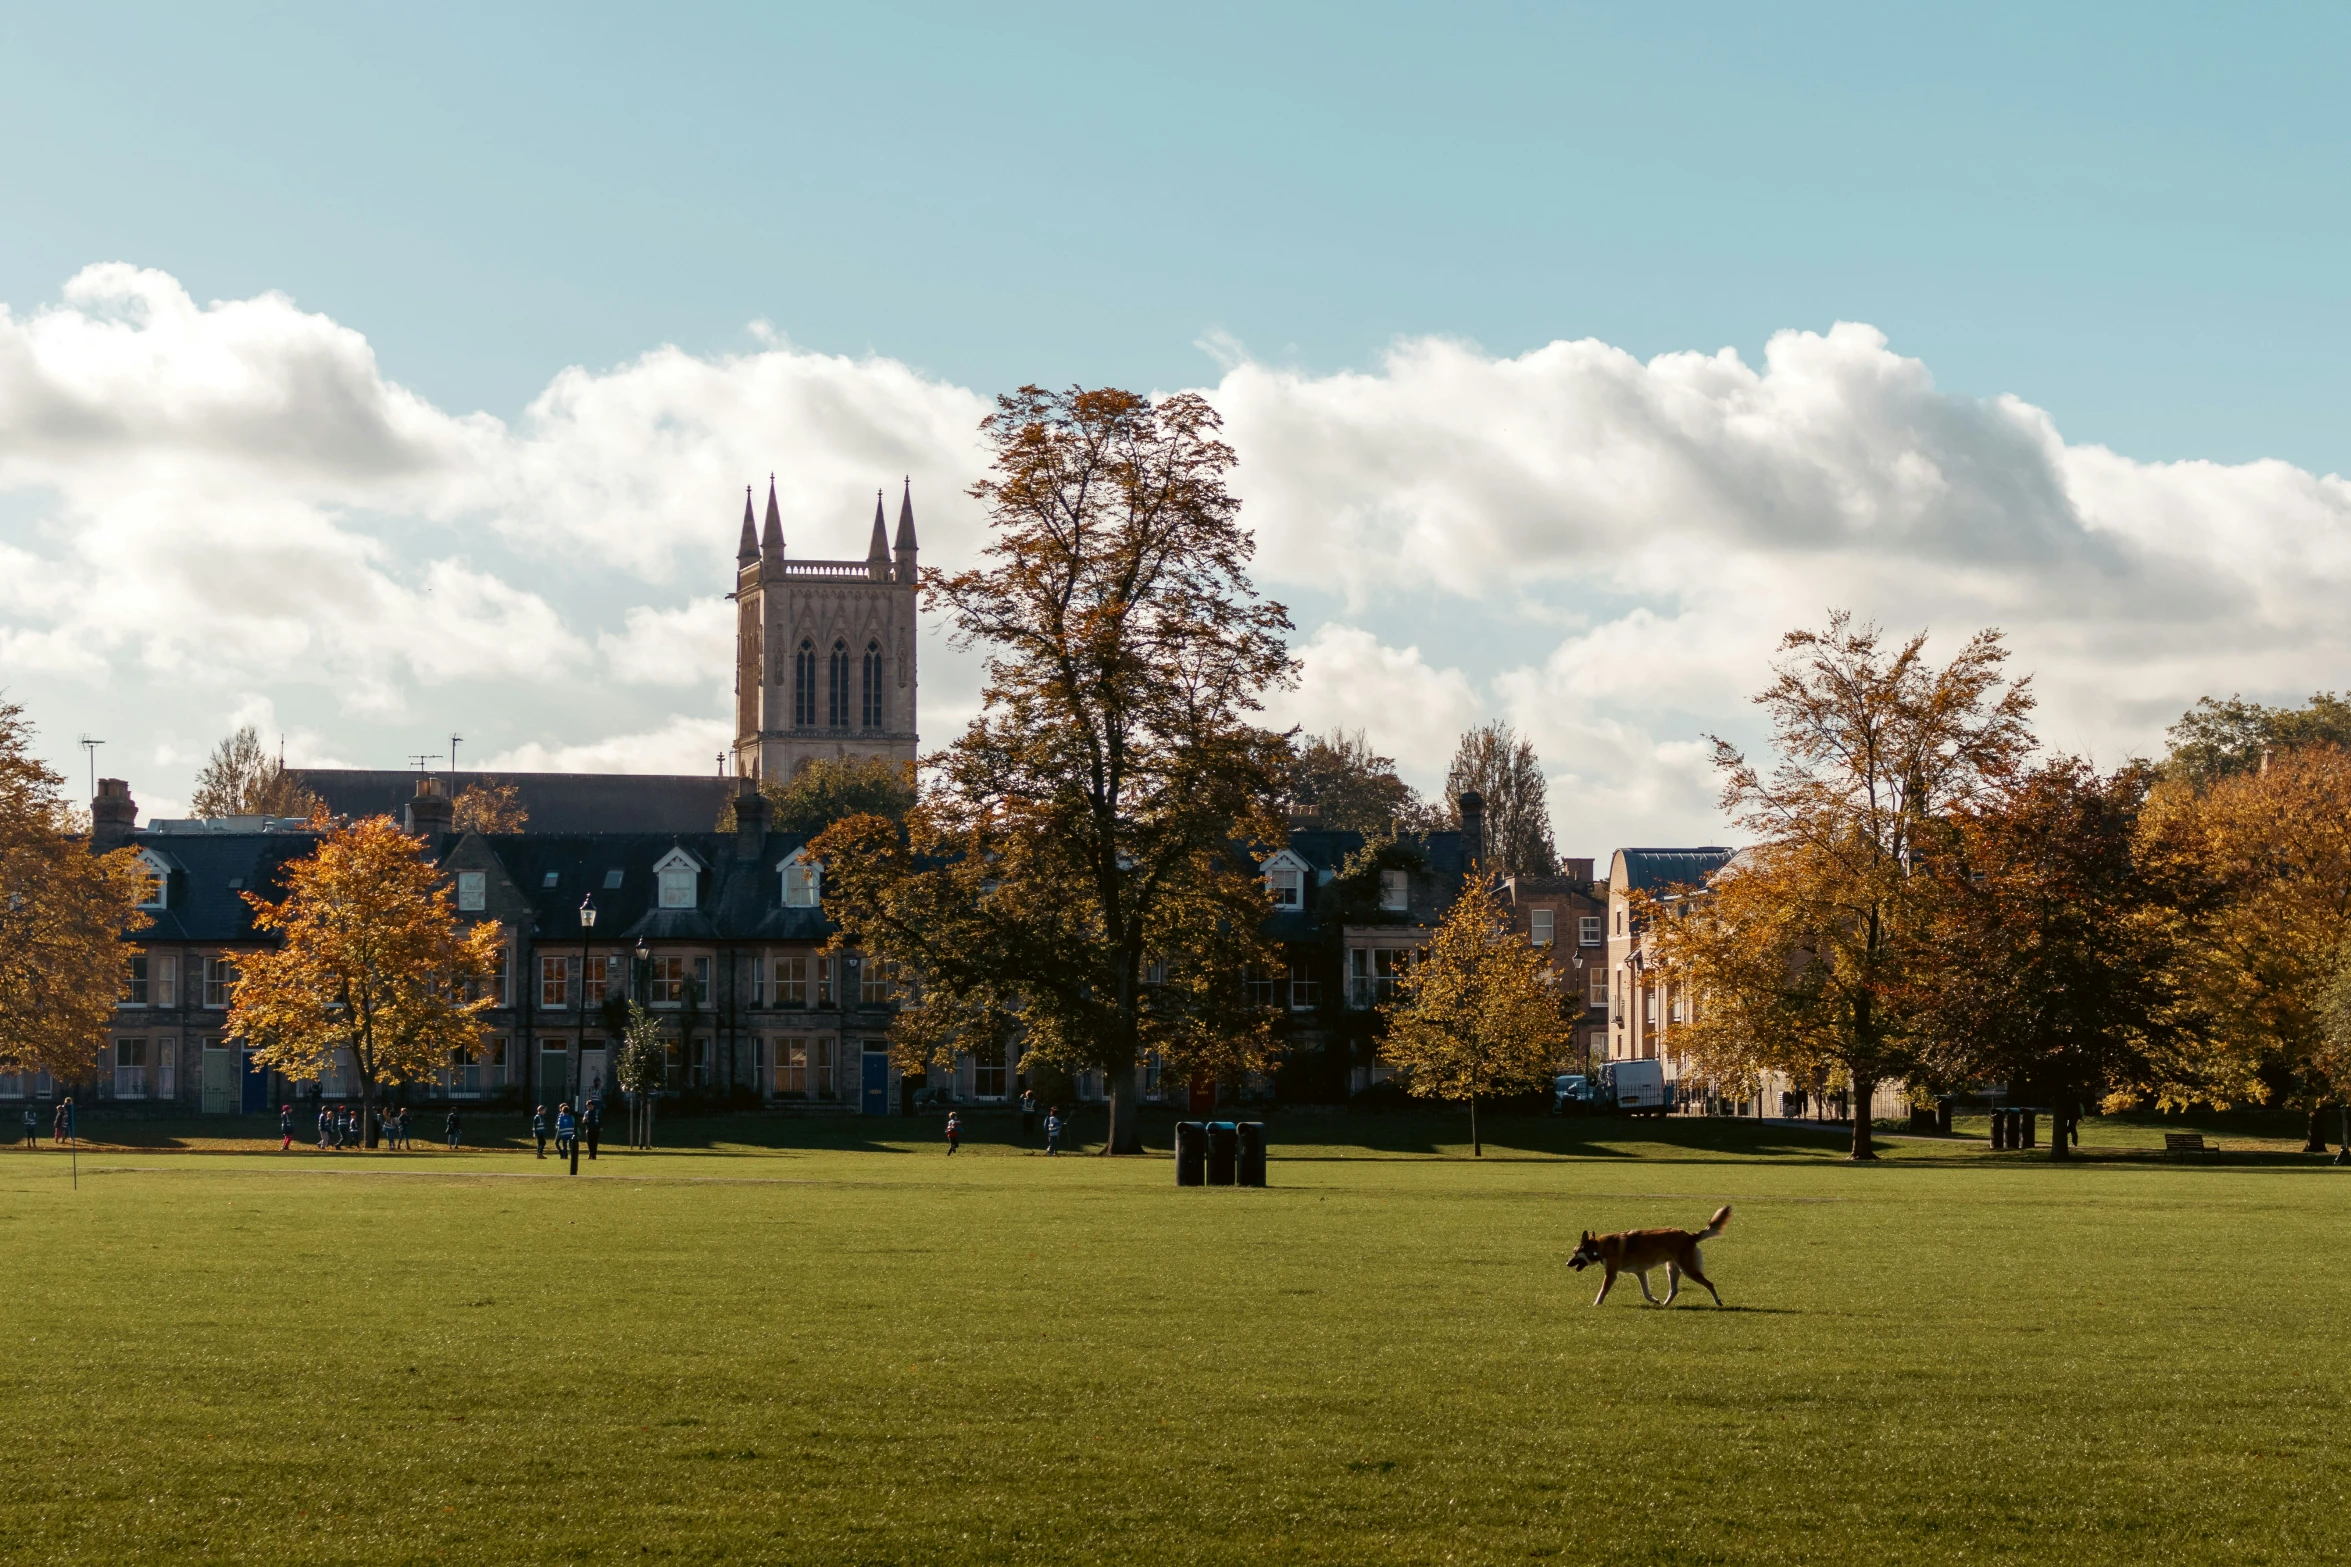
x: 2317, y: 1142
x: 2060, y: 1129
x: 367, y: 1119
x: 1864, y: 1090
x: 1125, y: 1133
x: 1477, y: 1149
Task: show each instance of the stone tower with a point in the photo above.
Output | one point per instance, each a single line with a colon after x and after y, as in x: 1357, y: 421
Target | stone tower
x: 824, y: 649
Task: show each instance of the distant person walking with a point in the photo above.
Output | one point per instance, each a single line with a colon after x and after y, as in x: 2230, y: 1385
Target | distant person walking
x: 954, y: 1133
x: 61, y: 1127
x: 32, y: 1126
x: 566, y: 1131
x: 1052, y: 1131
x: 455, y: 1129
x: 592, y: 1123
x: 285, y: 1128
x: 539, y: 1128
x: 403, y: 1125
x: 326, y: 1127
x: 1028, y: 1114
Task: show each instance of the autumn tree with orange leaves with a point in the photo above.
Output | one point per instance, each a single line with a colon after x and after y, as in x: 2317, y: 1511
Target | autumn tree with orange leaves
x: 63, y: 915
x: 1809, y: 950
x: 371, y: 960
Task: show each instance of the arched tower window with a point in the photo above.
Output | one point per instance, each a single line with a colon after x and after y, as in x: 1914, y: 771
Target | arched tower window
x: 870, y: 714
x: 837, y: 688
x: 804, y: 685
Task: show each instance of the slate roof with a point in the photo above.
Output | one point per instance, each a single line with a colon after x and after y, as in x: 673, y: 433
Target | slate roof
x: 557, y: 802
x: 736, y: 899
x: 1646, y: 870
x: 208, y: 872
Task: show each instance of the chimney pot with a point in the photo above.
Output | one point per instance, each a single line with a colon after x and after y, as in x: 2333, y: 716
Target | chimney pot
x: 431, y: 811
x: 114, y: 815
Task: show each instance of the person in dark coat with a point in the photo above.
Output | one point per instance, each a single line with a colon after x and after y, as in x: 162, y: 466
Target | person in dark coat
x: 63, y: 1122
x: 285, y: 1128
x: 592, y: 1123
x: 539, y: 1128
x: 32, y: 1126
x: 455, y: 1128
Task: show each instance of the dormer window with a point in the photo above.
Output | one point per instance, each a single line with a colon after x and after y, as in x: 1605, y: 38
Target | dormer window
x: 1285, y: 881
x: 803, y: 881
x: 676, y: 877
x: 154, y: 880
x: 473, y: 891
x: 1395, y: 891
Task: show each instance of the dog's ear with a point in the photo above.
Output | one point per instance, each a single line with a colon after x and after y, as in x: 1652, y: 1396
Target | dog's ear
x: 1587, y: 1235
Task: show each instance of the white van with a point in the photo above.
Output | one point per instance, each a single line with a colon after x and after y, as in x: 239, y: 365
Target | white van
x: 1633, y: 1087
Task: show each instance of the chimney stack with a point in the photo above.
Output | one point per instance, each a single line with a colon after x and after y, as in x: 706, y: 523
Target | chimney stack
x: 1473, y: 824
x: 431, y: 811
x: 114, y: 816
x: 750, y: 819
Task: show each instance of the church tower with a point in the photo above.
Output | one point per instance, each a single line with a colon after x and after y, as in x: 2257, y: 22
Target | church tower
x: 824, y: 649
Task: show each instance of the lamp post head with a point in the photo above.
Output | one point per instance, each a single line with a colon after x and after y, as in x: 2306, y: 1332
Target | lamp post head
x: 642, y: 951
x: 588, y: 913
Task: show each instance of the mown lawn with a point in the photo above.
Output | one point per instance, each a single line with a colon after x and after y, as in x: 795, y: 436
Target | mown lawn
x: 857, y: 1350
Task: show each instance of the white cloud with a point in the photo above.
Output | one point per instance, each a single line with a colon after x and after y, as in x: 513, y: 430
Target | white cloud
x: 203, y: 501
x: 1349, y: 680
x: 691, y: 645
x: 682, y: 745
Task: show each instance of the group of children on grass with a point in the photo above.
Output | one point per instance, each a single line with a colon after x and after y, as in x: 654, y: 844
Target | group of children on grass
x: 1055, y: 1126
x: 569, y: 1128
x: 341, y: 1127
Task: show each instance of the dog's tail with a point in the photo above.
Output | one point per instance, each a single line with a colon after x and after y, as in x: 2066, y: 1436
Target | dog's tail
x: 1714, y: 1226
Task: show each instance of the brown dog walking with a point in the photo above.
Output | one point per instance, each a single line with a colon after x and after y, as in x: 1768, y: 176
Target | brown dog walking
x: 1637, y: 1251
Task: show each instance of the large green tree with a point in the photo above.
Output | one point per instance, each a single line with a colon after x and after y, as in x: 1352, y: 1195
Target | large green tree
x: 2216, y: 739
x: 1080, y: 875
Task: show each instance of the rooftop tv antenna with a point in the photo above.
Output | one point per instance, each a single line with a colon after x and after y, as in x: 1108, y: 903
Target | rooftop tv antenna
x: 91, y: 746
x: 453, y: 739
x: 422, y: 761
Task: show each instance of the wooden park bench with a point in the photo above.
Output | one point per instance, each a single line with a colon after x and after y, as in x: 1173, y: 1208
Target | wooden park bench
x: 2187, y: 1142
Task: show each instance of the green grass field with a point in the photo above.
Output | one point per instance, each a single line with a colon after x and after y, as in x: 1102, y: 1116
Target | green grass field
x: 856, y: 1350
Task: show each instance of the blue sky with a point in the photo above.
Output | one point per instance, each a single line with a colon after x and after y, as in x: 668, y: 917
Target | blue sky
x: 2132, y: 215
x: 2093, y: 392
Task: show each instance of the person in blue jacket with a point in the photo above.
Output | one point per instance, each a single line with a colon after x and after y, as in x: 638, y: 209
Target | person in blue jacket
x: 539, y: 1128
x: 1052, y: 1131
x: 566, y: 1129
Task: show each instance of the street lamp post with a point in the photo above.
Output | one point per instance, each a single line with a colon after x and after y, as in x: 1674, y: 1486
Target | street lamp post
x: 637, y: 994
x: 587, y: 926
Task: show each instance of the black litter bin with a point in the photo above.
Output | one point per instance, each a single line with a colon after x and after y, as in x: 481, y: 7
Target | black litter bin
x: 1191, y: 1154
x: 1999, y: 1129
x: 1943, y: 1115
x: 1252, y: 1171
x: 1224, y: 1147
x: 2030, y: 1140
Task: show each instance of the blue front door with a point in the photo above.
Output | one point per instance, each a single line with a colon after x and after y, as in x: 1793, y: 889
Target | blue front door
x: 256, y: 1085
x: 876, y: 1100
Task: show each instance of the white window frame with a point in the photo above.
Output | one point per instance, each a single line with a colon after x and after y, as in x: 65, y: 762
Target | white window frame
x: 802, y: 881
x: 1395, y: 891
x: 157, y: 872
x: 1286, y: 873
x: 1588, y: 931
x: 473, y: 891
x: 1539, y: 927
x: 677, y: 878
